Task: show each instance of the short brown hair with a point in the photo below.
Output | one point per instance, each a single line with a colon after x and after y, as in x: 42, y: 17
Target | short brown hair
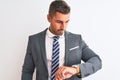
x: 59, y: 6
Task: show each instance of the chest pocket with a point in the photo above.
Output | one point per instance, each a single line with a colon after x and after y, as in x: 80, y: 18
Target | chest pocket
x: 74, y: 56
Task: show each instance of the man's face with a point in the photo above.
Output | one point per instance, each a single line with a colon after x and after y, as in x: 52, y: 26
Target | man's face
x: 58, y: 23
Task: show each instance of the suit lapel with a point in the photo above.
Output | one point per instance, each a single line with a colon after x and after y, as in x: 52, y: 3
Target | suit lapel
x: 43, y: 48
x: 67, y: 42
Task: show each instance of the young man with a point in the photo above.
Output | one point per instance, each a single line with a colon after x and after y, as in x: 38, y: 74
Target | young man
x: 56, y: 53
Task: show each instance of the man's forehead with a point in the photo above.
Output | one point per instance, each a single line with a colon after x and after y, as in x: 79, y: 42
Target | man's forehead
x: 62, y: 17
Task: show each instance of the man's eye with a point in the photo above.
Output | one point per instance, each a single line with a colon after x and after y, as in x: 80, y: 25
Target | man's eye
x: 67, y: 21
x: 59, y: 22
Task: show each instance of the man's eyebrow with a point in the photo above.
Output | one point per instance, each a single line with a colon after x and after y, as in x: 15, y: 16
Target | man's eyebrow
x: 62, y: 21
x: 67, y: 20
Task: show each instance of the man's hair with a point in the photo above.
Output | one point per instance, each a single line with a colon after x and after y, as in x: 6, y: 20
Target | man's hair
x: 59, y: 6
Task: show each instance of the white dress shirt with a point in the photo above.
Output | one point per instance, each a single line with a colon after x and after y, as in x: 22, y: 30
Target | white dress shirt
x: 49, y: 46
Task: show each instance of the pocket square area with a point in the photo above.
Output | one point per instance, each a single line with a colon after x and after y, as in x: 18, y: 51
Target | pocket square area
x: 74, y: 48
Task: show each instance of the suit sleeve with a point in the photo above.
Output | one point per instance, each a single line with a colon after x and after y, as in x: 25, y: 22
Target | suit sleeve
x: 92, y: 61
x: 28, y: 66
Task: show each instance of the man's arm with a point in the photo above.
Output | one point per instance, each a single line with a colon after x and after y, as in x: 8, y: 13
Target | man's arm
x: 92, y: 61
x: 28, y: 66
x: 91, y: 64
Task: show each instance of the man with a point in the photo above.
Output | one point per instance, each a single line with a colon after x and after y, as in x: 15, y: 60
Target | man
x: 69, y: 48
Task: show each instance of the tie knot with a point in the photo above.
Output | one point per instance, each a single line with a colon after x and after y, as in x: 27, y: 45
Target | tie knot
x: 56, y: 37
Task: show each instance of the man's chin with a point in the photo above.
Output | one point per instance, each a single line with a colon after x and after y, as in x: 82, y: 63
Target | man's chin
x: 60, y: 33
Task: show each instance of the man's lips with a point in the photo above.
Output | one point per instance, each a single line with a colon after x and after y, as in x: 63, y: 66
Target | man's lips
x: 61, y: 30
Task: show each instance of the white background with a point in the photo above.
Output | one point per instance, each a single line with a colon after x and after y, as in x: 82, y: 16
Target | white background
x: 97, y: 20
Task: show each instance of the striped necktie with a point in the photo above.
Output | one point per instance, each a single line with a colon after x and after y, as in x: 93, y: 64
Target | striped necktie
x: 55, y: 57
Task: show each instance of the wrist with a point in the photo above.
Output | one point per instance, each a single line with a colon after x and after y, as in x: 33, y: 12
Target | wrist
x: 77, y: 68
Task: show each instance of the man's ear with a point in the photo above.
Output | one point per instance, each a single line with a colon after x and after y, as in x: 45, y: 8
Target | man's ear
x: 49, y: 18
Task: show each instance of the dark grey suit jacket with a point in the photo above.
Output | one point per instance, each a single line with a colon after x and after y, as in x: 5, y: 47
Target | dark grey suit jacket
x: 75, y: 51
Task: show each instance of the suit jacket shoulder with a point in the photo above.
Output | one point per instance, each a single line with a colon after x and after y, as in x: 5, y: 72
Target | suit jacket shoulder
x: 39, y: 34
x: 73, y: 36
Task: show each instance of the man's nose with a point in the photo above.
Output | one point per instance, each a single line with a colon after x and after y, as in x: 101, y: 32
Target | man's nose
x: 63, y: 25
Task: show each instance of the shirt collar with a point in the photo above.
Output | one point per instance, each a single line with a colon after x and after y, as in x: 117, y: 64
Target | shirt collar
x: 51, y: 35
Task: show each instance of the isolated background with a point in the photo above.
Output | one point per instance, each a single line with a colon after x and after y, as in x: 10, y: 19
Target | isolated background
x: 97, y: 20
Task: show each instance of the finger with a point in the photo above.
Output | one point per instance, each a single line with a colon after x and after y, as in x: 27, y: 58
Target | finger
x: 59, y: 73
x: 64, y: 72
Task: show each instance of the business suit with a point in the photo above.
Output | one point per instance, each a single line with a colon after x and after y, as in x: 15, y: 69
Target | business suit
x: 75, y: 51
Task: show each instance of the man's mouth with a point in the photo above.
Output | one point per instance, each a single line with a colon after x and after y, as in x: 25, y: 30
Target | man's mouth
x: 61, y: 30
